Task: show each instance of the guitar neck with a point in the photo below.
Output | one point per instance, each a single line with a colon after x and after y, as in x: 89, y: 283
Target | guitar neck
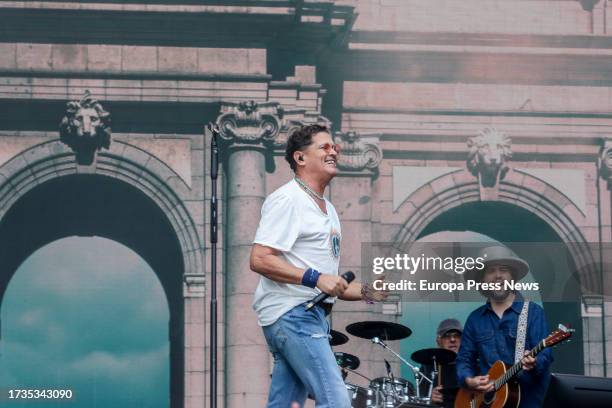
x: 517, y: 367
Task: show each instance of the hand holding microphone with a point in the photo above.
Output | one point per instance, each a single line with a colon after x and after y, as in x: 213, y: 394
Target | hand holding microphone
x: 331, y: 286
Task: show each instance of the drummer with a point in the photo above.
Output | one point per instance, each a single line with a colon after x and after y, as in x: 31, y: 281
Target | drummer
x: 448, y: 337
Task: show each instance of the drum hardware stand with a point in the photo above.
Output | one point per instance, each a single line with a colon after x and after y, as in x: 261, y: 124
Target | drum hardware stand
x: 434, y: 376
x: 418, y: 376
x: 392, y: 378
x: 361, y: 375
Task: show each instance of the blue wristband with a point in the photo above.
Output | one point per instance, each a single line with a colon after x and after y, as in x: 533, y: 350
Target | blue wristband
x: 310, y: 277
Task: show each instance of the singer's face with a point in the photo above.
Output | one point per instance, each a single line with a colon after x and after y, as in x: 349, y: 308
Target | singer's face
x: 321, y: 157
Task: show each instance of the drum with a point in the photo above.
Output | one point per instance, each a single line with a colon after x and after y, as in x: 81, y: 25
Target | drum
x: 392, y: 392
x: 362, y: 397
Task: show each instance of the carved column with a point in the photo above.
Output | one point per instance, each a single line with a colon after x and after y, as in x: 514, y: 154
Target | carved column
x: 351, y: 194
x: 193, y: 294
x: 247, y: 130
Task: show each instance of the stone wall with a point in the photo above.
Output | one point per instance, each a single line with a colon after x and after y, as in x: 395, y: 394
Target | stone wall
x: 414, y: 78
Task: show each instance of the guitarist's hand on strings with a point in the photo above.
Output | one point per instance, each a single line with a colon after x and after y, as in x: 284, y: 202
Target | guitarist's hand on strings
x: 480, y: 383
x: 528, y: 361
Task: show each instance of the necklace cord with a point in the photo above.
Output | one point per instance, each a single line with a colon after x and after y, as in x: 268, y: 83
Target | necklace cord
x: 309, y: 190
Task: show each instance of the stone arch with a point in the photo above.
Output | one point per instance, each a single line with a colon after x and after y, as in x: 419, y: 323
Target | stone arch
x: 520, y: 189
x: 124, y: 162
x: 139, y: 175
x: 531, y: 195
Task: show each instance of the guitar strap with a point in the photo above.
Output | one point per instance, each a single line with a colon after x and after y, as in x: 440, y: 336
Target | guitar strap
x: 521, y: 333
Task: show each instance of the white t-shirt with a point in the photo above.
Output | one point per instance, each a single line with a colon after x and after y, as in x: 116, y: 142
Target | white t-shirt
x: 292, y: 223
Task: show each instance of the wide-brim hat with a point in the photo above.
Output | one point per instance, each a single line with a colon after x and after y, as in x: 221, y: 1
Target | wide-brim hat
x: 502, y: 255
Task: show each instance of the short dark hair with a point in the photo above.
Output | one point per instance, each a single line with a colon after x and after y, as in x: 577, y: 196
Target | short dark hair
x: 300, y: 139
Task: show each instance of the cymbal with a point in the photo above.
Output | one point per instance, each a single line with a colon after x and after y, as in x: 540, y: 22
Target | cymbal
x: 337, y: 338
x: 383, y: 330
x: 426, y: 356
x: 346, y: 360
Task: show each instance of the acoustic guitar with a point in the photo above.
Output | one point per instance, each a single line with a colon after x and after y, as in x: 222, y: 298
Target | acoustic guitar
x: 507, y: 392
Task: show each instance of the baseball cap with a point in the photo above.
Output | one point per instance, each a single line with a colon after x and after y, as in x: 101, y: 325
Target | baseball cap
x: 447, y: 325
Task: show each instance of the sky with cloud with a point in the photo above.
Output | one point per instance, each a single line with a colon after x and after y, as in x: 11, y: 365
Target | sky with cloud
x: 86, y: 314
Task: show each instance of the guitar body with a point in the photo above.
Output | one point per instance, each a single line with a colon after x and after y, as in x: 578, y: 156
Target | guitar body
x: 508, y: 396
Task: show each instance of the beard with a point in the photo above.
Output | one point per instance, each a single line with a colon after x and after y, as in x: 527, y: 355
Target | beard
x: 497, y: 295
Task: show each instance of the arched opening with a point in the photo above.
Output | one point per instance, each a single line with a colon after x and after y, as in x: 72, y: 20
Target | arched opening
x: 74, y: 318
x: 88, y: 205
x: 501, y: 221
x: 510, y: 224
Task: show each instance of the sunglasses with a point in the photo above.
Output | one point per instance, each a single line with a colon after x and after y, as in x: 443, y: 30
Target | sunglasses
x: 328, y: 147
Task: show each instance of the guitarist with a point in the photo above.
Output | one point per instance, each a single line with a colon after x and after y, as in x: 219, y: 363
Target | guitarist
x: 490, y: 332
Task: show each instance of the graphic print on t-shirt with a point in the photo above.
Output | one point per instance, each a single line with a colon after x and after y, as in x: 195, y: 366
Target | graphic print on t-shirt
x: 334, y: 243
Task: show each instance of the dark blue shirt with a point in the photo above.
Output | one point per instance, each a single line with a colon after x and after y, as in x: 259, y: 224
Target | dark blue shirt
x: 487, y: 338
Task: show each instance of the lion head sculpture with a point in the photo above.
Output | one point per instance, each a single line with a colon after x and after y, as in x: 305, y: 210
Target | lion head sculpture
x: 488, y: 154
x: 85, y: 128
x: 605, y: 160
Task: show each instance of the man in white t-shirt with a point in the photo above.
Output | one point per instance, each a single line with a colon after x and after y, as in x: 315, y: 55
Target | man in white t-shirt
x: 297, y: 251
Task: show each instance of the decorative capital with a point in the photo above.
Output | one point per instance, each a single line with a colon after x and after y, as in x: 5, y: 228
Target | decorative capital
x: 250, y: 122
x: 488, y: 156
x: 358, y: 152
x: 85, y: 128
x: 293, y: 120
x: 605, y: 160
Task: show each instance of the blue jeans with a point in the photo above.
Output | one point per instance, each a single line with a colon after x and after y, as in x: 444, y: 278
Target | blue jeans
x: 303, y: 361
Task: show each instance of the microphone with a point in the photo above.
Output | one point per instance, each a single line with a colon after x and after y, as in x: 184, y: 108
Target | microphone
x: 348, y: 276
x: 214, y: 154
